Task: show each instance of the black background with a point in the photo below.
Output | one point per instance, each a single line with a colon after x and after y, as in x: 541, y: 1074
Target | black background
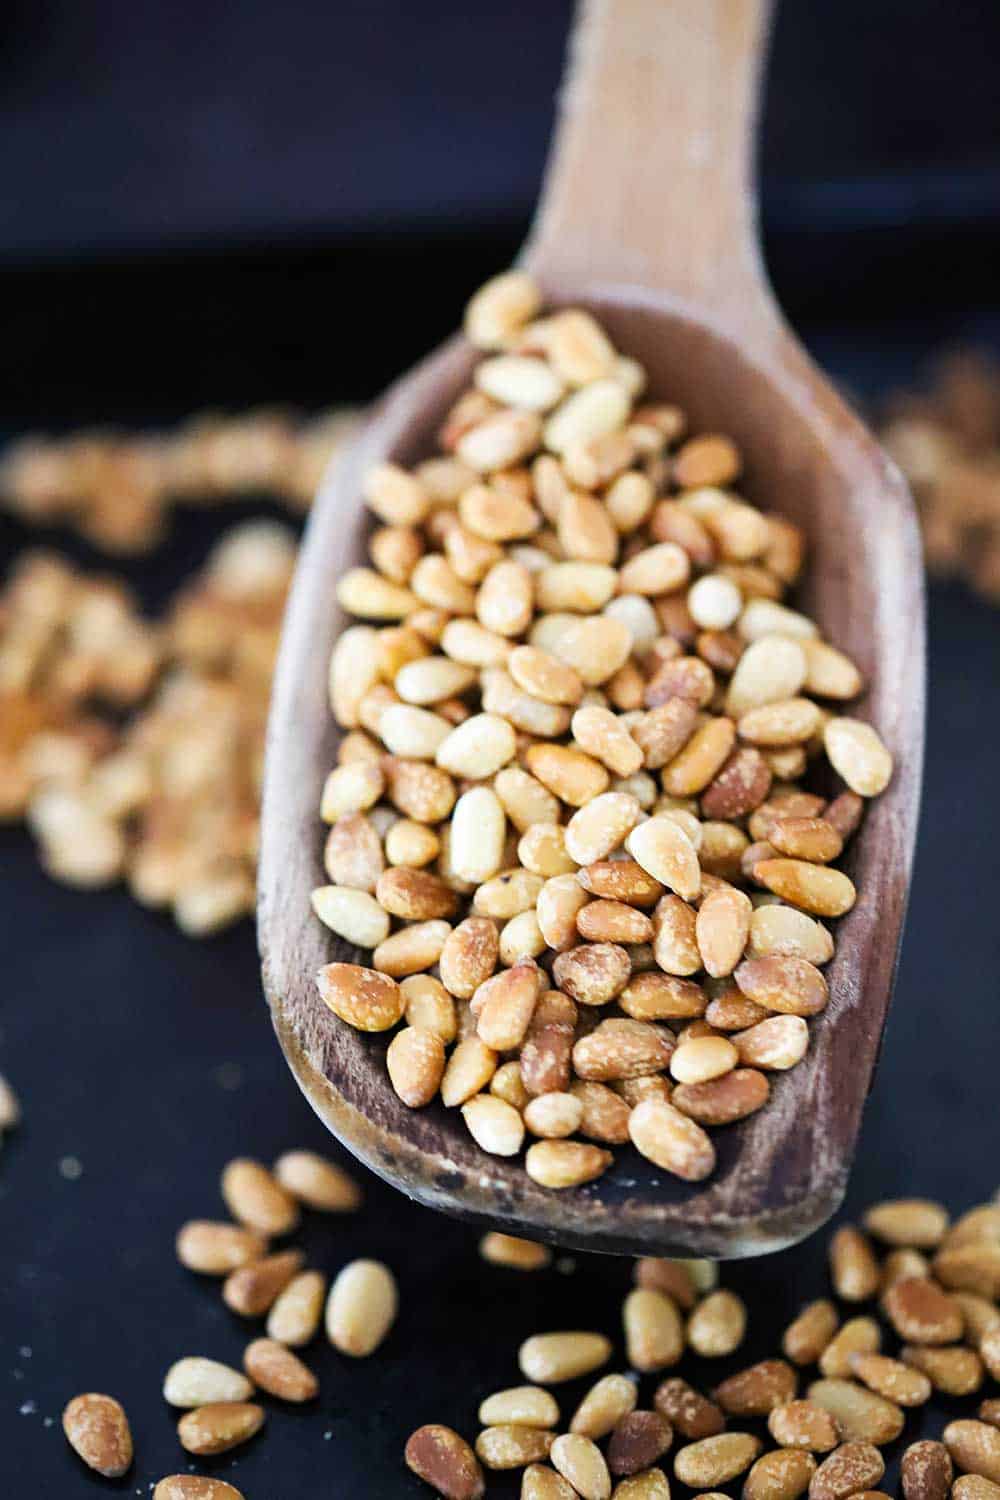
x: 153, y: 270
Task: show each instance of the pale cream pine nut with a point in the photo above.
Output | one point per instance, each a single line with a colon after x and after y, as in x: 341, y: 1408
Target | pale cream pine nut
x: 667, y: 854
x: 717, y: 1325
x: 858, y: 755
x: 432, y: 679
x: 671, y: 1141
x: 702, y: 1059
x: 361, y: 1307
x: 478, y: 830
x: 596, y: 648
x: 788, y: 721
x: 714, y: 602
x: 675, y: 944
x: 436, y: 584
x: 524, y: 799
x: 829, y: 673
x: 520, y: 1406
x: 915, y: 1222
x: 544, y: 676
x: 605, y: 1404
x: 505, y: 599
x: 565, y: 1164
x: 781, y: 1475
x: 521, y: 938
x: 417, y: 733
x: 854, y: 1269
x: 519, y: 380
x: 765, y: 617
x: 715, y: 1460
x: 629, y: 501
x: 581, y: 587
x: 890, y: 1378
x: 297, y: 1312
x: 216, y: 1249
x: 508, y: 894
x: 362, y: 997
x: 585, y: 530
x: 353, y: 915
x: 395, y: 551
x: 553, y: 1116
x: 639, y: 618
x: 354, y: 669
x: 255, y: 1198
x: 494, y: 1125
x: 511, y: 1446
x: 509, y: 1250
x: 579, y: 348
x: 363, y: 592
x: 862, y: 1416
x: 542, y: 849
x: 722, y: 929
x: 411, y: 844
x: 533, y: 716
x: 351, y: 788
x: 219, y: 1426
x: 468, y: 641
x: 499, y: 310
x: 396, y: 497
x: 581, y: 1462
x: 857, y: 1336
x: 478, y: 748
x: 654, y: 1332
x: 498, y: 441
x: 820, y: 890
x: 559, y: 901
x: 771, y: 669
x: 551, y: 1358
x: 600, y: 826
x: 415, y: 1063
x: 469, y: 1069
x: 601, y: 734
x: 195, y: 1381
x: 494, y: 515
x: 656, y: 570
x: 597, y: 408
x: 787, y: 932
x: 508, y: 1083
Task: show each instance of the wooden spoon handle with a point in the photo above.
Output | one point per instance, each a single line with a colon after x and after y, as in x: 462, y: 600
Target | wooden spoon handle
x: 650, y: 178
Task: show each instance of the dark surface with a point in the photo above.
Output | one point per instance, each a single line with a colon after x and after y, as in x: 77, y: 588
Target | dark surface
x: 131, y: 124
x: 148, y: 1058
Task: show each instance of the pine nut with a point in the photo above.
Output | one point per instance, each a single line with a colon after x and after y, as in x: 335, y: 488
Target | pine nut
x: 717, y: 1325
x: 581, y: 1462
x: 671, y: 1141
x: 654, y: 1333
x: 862, y: 1416
x: 801, y: 1424
x: 296, y: 1313
x: 850, y: 1469
x: 97, y: 1430
x: 220, y: 1426
x: 604, y: 1406
x: 216, y: 1249
x: 444, y: 1460
x: 715, y: 1460
x: 250, y: 1290
x: 278, y: 1371
x: 195, y: 1381
x: 853, y: 1267
x: 551, y: 1358
x: 508, y: 1250
x: 782, y: 1475
x: 361, y: 1307
x: 691, y: 1413
x: 856, y: 1336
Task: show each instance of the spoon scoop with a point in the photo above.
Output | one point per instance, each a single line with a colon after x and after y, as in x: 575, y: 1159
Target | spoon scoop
x: 647, y: 218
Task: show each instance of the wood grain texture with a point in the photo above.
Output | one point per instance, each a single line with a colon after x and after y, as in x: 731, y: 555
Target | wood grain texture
x: 731, y: 363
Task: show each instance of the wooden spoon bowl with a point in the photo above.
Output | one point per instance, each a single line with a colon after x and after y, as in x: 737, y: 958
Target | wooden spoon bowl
x: 714, y: 344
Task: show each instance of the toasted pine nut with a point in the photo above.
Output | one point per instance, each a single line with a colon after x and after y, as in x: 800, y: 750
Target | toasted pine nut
x: 717, y: 1325
x: 671, y: 1140
x: 654, y: 1333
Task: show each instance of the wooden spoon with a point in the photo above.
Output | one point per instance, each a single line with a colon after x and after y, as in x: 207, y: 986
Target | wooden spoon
x: 648, y: 218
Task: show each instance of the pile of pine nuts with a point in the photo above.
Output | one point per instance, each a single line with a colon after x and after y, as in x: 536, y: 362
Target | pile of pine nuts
x: 913, y: 1312
x: 933, y: 1294
x: 169, y: 799
x: 117, y: 489
x: 570, y: 814
x: 946, y: 439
